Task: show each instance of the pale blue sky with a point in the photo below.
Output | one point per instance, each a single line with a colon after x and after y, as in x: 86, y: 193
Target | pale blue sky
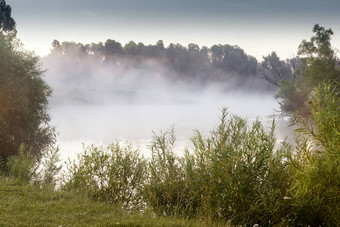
x: 257, y: 26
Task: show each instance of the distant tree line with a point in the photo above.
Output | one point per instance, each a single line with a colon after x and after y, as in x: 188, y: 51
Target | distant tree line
x: 294, y: 78
x: 188, y: 61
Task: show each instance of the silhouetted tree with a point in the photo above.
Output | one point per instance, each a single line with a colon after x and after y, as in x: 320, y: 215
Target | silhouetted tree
x: 275, y: 70
x: 130, y: 49
x: 7, y: 23
x: 112, y: 48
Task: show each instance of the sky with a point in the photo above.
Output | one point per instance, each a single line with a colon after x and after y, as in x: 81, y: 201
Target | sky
x: 257, y: 26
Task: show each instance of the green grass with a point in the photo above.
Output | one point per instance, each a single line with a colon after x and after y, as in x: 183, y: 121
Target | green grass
x: 29, y: 205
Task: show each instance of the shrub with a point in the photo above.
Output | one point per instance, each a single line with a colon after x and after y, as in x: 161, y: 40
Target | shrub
x: 234, y: 175
x: 316, y: 164
x: 238, y: 174
x: 50, y: 168
x: 114, y: 174
x: 166, y: 188
x: 26, y: 168
x: 23, y: 167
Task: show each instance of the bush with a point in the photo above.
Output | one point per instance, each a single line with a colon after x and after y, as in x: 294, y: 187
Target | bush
x: 166, y: 190
x: 114, y: 174
x: 50, y: 170
x: 234, y: 175
x: 26, y: 168
x: 316, y: 164
x: 238, y: 174
x: 23, y: 167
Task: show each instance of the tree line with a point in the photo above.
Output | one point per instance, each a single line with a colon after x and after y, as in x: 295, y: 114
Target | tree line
x: 188, y: 61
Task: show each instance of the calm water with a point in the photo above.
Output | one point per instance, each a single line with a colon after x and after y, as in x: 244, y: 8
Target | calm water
x: 103, y: 124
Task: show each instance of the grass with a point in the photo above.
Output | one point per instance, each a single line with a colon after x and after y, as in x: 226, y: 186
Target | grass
x: 29, y: 205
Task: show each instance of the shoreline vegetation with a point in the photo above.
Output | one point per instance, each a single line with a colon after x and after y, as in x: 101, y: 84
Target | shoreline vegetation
x: 236, y: 176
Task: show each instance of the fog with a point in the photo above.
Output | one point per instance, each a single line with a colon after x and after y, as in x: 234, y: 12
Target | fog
x: 104, y: 103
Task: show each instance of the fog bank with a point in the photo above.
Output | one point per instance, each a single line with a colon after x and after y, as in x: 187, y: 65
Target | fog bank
x: 102, y: 103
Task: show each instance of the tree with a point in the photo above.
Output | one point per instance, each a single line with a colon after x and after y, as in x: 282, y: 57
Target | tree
x: 24, y: 117
x: 7, y: 23
x: 319, y: 60
x: 275, y: 70
x: 296, y: 78
x: 112, y: 49
x: 130, y: 48
x: 56, y: 47
x: 97, y: 50
x: 233, y: 59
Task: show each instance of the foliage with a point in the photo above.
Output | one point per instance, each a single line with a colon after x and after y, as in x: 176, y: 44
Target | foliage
x: 23, y: 101
x: 7, y: 23
x: 320, y: 62
x: 25, y: 167
x: 317, y: 63
x: 316, y: 166
x: 114, y: 174
x: 275, y: 70
x: 50, y: 168
x: 234, y: 175
x: 241, y: 176
x: 166, y: 190
x: 191, y: 62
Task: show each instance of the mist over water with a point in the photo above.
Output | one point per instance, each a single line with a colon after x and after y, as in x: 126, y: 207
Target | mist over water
x: 101, y: 104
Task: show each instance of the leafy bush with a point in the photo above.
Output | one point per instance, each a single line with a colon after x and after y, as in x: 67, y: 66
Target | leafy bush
x: 234, y: 175
x: 50, y: 168
x: 166, y: 187
x: 316, y: 164
x: 26, y: 168
x: 114, y: 174
x: 238, y: 174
